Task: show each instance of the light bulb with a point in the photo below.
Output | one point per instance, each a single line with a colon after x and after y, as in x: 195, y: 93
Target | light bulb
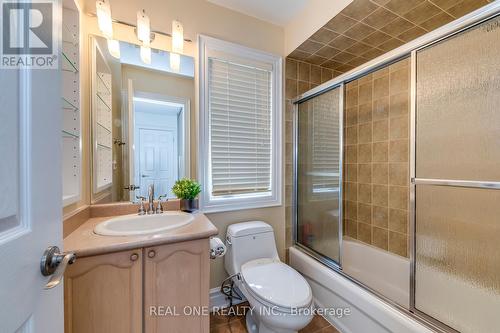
x: 104, y: 20
x: 177, y: 37
x: 175, y: 62
x: 143, y: 28
x: 146, y: 55
x: 114, y: 48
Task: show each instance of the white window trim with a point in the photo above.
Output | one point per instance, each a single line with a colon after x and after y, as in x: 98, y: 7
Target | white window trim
x: 209, y: 204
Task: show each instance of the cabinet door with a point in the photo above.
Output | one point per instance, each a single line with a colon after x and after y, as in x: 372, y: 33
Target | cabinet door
x: 103, y: 294
x: 176, y: 280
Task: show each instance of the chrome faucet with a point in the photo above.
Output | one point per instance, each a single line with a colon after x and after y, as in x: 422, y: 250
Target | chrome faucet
x: 151, y: 198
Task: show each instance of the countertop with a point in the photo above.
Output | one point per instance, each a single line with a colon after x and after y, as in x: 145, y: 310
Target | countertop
x: 84, y: 242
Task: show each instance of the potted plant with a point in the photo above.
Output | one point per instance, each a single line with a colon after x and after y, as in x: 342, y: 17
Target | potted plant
x: 187, y: 190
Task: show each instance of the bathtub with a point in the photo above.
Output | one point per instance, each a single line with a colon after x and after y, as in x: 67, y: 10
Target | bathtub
x: 386, y: 273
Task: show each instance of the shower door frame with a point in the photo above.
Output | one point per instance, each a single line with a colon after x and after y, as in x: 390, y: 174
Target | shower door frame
x: 407, y: 50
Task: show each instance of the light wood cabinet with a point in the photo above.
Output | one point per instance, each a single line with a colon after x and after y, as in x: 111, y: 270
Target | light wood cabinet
x: 103, y: 294
x: 140, y: 290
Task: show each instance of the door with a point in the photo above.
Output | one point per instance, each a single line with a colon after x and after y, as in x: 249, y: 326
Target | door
x: 156, y: 160
x: 30, y: 195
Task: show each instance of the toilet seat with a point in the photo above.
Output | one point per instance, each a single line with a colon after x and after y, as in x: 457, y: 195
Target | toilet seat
x: 276, y: 284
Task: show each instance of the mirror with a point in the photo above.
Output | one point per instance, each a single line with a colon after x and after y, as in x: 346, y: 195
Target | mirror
x: 140, y: 122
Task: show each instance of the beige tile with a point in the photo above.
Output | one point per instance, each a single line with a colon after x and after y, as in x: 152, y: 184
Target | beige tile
x: 342, y: 42
x: 380, y: 173
x: 365, y: 173
x: 391, y: 44
x: 365, y: 133
x: 365, y: 193
x: 327, y: 52
x: 351, y: 98
x: 412, y: 34
x: 377, y: 38
x: 365, y: 233
x: 399, y: 104
x: 365, y: 113
x: 304, y: 71
x: 364, y: 153
x: 351, y: 191
x: 381, y: 87
x: 380, y: 238
x: 299, y: 55
x: 380, y: 195
x: 352, y: 228
x: 380, y: 216
x: 380, y: 152
x: 379, y: 18
x: 326, y: 74
x: 316, y: 59
x: 351, y: 212
x: 444, y: 4
x: 400, y: 81
x: 351, y: 154
x: 381, y: 130
x: 398, y: 151
x: 398, y: 197
x: 397, y: 26
x: 310, y: 46
x: 351, y: 116
x: 352, y: 172
x: 324, y: 36
x: 352, y: 135
x: 365, y: 93
x: 359, y: 9
x: 398, y: 174
x: 315, y: 74
x: 291, y: 88
x: 316, y: 324
x: 381, y: 108
x: 399, y: 128
x: 359, y: 48
x: 368, y: 78
x: 373, y: 53
x: 364, y: 213
x: 422, y: 12
x: 466, y: 7
x: 340, y: 23
x: 359, y: 31
x: 402, y: 7
x: 398, y: 220
x: 291, y: 69
x: 303, y: 87
x: 437, y: 21
x: 398, y: 243
x: 343, y: 57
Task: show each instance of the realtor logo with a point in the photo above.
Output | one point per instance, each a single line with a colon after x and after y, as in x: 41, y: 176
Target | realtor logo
x: 28, y: 34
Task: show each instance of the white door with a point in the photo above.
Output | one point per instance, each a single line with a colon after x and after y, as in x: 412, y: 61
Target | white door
x: 30, y: 197
x: 157, y: 164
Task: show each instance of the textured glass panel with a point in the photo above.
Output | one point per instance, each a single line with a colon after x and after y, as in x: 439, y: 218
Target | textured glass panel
x: 458, y: 99
x: 319, y: 173
x: 458, y: 256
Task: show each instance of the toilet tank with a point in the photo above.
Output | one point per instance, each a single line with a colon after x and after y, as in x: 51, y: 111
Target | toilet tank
x: 248, y: 241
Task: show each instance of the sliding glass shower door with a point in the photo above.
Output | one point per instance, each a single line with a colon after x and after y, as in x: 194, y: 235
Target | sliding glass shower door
x: 318, y: 172
x: 457, y: 180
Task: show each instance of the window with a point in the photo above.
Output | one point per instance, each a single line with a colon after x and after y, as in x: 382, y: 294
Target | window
x: 240, y: 127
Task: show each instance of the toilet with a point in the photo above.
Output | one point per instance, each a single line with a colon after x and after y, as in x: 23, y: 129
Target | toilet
x: 280, y: 298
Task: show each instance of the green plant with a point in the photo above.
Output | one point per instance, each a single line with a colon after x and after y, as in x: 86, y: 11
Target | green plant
x: 186, y: 188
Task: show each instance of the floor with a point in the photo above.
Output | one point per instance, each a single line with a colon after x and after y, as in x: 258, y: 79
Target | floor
x: 235, y: 322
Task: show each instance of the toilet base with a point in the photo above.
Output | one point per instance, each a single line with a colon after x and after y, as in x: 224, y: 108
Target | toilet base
x: 254, y: 327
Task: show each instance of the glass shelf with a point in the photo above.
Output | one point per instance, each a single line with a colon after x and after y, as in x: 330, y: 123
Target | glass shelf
x: 70, y: 66
x: 67, y: 105
x: 100, y: 145
x: 68, y: 36
x: 104, y: 83
x: 103, y: 127
x: 67, y: 134
x: 105, y: 104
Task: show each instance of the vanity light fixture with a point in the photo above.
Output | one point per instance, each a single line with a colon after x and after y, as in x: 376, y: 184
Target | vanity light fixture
x: 146, y: 54
x: 175, y: 62
x: 114, y: 48
x: 104, y: 20
x: 143, y: 28
x: 177, y: 37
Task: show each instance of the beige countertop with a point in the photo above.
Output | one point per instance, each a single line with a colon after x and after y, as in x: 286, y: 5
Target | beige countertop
x: 84, y: 242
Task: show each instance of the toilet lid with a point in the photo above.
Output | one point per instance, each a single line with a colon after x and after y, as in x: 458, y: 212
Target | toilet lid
x: 276, y: 283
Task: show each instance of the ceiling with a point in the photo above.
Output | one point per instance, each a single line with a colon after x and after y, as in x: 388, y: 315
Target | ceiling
x: 366, y: 29
x: 278, y: 12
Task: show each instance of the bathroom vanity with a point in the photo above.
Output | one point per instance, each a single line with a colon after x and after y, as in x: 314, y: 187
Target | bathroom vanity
x: 141, y: 283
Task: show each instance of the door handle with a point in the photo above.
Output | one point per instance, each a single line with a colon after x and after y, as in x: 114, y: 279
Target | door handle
x: 144, y: 176
x: 54, y: 263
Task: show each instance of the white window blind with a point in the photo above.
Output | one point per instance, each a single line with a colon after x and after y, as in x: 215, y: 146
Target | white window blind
x: 325, y: 136
x: 240, y: 128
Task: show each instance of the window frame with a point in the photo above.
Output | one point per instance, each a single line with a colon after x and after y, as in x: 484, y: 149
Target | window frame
x: 208, y: 203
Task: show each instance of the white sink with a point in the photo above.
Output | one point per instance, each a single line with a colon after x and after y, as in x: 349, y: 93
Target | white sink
x: 132, y: 225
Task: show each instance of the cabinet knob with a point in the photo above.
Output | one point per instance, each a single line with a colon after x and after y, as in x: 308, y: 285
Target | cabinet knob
x: 134, y: 256
x: 151, y: 253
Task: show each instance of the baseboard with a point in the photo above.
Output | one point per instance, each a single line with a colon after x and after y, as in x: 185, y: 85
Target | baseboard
x: 219, y: 301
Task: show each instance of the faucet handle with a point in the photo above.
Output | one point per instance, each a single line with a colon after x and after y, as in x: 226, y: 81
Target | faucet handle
x: 142, y: 210
x: 159, y: 207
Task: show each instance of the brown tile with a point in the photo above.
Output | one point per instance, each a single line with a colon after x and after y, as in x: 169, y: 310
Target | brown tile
x: 398, y: 243
x: 400, y: 80
x: 364, y: 153
x: 332, y: 64
x: 437, y: 21
x: 303, y: 87
x: 291, y: 88
x: 377, y: 38
x: 291, y: 69
x: 352, y: 135
x: 380, y: 195
x: 304, y: 71
x: 359, y: 31
x: 381, y: 87
x: 342, y: 42
x: 368, y: 78
x: 381, y: 108
x: 380, y: 73
x: 398, y: 197
x: 365, y: 93
x: 365, y: 193
x: 315, y: 59
x: 422, y: 12
x: 315, y: 74
x: 412, y: 34
x: 351, y: 154
x: 372, y: 54
x: 359, y: 48
x: 329, y: 329
x: 465, y: 7
x: 324, y: 36
x: 344, y: 57
x: 352, y: 228
x: 364, y: 233
x: 380, y: 152
x: 364, y: 133
x: 316, y: 324
x: 380, y: 238
x: 357, y: 61
x: 351, y: 191
x: 381, y: 2
x: 364, y: 173
x: 399, y: 104
x: 352, y: 172
x: 398, y: 128
x: 364, y: 213
x: 402, y: 7
x: 344, y: 68
x: 444, y: 4
x: 398, y: 174
x: 380, y: 172
x: 398, y: 220
x: 326, y: 75
x: 351, y: 210
x: 327, y: 52
x: 351, y: 116
x: 379, y: 18
x: 299, y: 55
x: 398, y: 151
x: 340, y: 23
x: 391, y: 44
x: 310, y: 46
x: 359, y: 9
x: 380, y: 216
x: 365, y: 113
x: 397, y: 26
x: 381, y: 130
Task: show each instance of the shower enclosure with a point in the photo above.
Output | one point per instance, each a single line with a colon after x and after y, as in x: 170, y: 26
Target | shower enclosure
x: 402, y: 156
